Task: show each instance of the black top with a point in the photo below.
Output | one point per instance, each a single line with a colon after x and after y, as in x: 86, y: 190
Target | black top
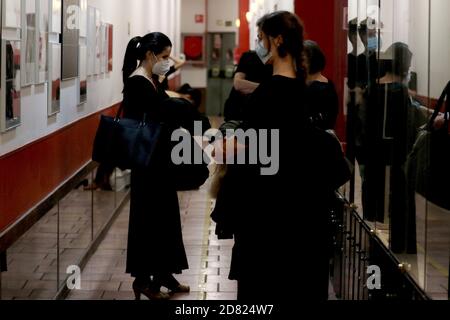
x: 323, y: 104
x: 255, y: 71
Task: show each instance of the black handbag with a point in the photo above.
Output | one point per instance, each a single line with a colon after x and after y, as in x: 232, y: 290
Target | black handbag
x: 429, y: 161
x: 125, y: 143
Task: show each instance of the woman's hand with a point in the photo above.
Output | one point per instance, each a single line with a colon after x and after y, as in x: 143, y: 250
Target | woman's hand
x: 226, y: 150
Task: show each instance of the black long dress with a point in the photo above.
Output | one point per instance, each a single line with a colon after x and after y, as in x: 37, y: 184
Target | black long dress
x: 283, y: 218
x: 155, y: 242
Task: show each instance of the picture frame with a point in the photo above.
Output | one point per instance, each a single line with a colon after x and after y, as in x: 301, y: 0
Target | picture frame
x: 12, y: 14
x: 104, y: 48
x: 91, y: 39
x: 110, y: 47
x: 83, y: 18
x: 98, y: 43
x: 29, y: 38
x: 82, y: 85
x: 10, y: 106
x: 193, y: 45
x: 54, y: 84
x: 70, y: 40
x: 43, y: 12
x: 55, y: 16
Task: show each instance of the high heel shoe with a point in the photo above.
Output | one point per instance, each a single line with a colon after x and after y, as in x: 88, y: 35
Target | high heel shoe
x: 181, y: 288
x: 150, y: 294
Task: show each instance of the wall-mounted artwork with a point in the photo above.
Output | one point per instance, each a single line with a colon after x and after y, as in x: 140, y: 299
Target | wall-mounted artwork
x: 83, y: 75
x: 29, y: 36
x: 91, y: 40
x: 10, y: 85
x: 98, y: 42
x: 70, y: 39
x: 110, y: 47
x: 104, y: 48
x: 56, y: 14
x: 42, y: 44
x: 83, y: 18
x: 54, y: 86
x: 12, y: 13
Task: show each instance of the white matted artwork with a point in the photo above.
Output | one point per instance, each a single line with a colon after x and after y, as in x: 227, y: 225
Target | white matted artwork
x: 56, y: 13
x: 98, y: 42
x: 104, y: 48
x: 54, y: 86
x: 29, y: 36
x: 10, y: 85
x: 12, y: 17
x: 83, y: 75
x: 91, y: 40
x: 42, y: 36
x: 83, y: 18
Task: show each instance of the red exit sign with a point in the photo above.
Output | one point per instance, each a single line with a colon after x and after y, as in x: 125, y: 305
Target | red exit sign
x: 199, y: 18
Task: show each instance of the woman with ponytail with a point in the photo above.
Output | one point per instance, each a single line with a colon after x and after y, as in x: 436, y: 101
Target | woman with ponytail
x: 275, y: 212
x: 155, y: 243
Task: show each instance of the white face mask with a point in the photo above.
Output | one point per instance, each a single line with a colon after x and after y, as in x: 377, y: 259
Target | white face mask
x: 161, y: 68
x: 264, y: 54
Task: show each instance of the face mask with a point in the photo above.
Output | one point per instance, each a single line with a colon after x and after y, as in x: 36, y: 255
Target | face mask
x: 161, y: 68
x: 263, y: 53
x: 372, y: 43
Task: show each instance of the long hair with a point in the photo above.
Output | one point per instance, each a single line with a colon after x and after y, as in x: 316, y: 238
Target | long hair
x: 138, y: 47
x: 290, y: 28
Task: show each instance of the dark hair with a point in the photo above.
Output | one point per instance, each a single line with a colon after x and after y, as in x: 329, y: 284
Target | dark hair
x: 290, y: 28
x: 397, y: 59
x: 138, y: 47
x: 315, y: 56
x: 260, y: 22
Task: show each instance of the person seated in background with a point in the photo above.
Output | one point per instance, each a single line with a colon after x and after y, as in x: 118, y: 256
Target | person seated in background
x: 322, y: 101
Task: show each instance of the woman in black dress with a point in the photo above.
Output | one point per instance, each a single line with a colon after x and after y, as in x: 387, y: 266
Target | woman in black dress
x: 155, y: 243
x: 323, y: 102
x: 274, y: 213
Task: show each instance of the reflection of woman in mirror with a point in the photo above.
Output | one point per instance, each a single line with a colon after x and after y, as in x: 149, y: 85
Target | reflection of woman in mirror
x: 392, y: 123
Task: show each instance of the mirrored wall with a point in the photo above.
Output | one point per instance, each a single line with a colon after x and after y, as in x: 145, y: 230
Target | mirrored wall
x: 398, y: 67
x: 39, y: 263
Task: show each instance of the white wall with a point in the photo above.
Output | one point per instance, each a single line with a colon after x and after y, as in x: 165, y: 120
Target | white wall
x: 194, y: 75
x: 220, y: 12
x: 104, y: 90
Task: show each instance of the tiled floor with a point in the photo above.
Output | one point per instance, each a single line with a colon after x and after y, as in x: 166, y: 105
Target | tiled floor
x: 104, y: 277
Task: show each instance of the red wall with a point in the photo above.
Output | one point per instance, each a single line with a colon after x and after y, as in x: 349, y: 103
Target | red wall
x: 29, y: 174
x: 244, y: 34
x: 323, y: 20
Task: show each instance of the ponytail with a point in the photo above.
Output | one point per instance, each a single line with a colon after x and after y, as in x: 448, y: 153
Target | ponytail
x: 131, y: 58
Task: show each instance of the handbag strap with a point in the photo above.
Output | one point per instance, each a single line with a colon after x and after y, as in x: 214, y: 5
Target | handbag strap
x: 440, y: 104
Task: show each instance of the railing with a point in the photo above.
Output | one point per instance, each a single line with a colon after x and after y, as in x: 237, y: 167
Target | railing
x: 362, y: 267
x: 59, y: 234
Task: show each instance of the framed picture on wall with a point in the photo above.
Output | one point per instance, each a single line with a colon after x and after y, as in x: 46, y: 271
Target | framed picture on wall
x: 56, y: 14
x: 10, y: 85
x: 104, y: 48
x: 12, y: 14
x: 42, y: 41
x: 193, y: 46
x: 110, y: 47
x: 70, y: 40
x: 29, y: 38
x: 98, y: 42
x: 54, y: 86
x: 91, y: 40
x: 83, y: 75
x: 83, y: 18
